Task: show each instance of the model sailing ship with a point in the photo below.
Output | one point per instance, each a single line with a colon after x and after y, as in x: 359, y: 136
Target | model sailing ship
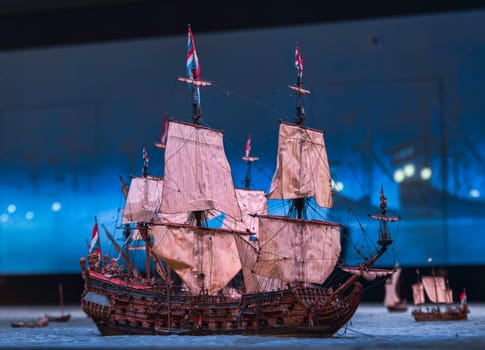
x: 439, y: 293
x: 392, y: 294
x: 290, y: 282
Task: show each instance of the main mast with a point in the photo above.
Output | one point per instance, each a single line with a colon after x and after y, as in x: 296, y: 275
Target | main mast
x: 302, y: 169
x: 249, y: 160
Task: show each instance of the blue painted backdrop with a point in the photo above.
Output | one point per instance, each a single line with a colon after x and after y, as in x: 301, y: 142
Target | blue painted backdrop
x: 389, y: 93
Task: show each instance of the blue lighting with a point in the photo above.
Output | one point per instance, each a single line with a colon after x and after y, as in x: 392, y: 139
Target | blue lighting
x: 69, y: 134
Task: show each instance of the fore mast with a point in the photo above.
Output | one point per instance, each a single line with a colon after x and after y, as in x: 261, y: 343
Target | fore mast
x: 193, y: 80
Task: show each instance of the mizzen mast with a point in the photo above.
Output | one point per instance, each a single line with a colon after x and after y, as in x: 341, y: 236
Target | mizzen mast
x: 298, y: 204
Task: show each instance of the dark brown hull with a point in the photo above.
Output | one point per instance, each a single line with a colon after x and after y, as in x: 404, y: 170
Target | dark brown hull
x: 62, y: 318
x: 452, y: 313
x: 122, y: 305
x: 41, y: 322
x: 401, y: 307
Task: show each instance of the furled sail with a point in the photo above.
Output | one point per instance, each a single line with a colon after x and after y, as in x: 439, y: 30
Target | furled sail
x: 205, y: 259
x: 418, y: 293
x: 391, y: 296
x: 297, y: 250
x: 143, y: 201
x: 251, y: 202
x: 366, y: 273
x: 302, y: 166
x: 436, y: 289
x: 197, y: 174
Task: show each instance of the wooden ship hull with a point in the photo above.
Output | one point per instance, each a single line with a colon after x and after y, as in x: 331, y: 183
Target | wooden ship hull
x: 400, y: 307
x: 40, y: 322
x: 61, y: 318
x: 287, y: 263
x: 121, y: 305
x: 452, y: 313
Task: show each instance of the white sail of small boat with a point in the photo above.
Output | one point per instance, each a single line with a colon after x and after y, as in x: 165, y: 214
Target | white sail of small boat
x: 434, y: 287
x: 418, y: 294
x: 392, y: 297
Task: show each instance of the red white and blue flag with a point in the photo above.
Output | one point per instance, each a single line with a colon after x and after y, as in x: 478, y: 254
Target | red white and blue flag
x: 145, y: 157
x: 193, y: 67
x: 298, y: 63
x: 163, y: 138
x: 463, y: 297
x: 95, y: 246
x: 248, y: 147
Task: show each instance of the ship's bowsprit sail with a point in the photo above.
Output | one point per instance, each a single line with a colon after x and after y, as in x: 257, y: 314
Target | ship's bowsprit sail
x: 197, y: 174
x: 302, y: 166
x: 297, y: 250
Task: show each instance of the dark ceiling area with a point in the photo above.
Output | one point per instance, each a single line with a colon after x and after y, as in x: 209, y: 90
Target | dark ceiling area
x: 34, y: 23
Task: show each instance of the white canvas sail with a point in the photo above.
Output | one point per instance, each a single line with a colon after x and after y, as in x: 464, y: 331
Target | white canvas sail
x: 248, y: 254
x: 297, y: 250
x: 302, y: 166
x: 205, y: 259
x: 418, y: 294
x: 391, y: 296
x: 143, y: 201
x: 197, y: 174
x: 436, y: 290
x: 251, y: 202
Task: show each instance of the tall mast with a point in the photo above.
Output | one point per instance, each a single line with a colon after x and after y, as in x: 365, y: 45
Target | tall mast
x: 300, y: 91
x: 430, y: 260
x: 145, y: 162
x: 298, y: 204
x: 196, y: 115
x: 193, y: 80
x: 384, y: 236
x: 193, y: 77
